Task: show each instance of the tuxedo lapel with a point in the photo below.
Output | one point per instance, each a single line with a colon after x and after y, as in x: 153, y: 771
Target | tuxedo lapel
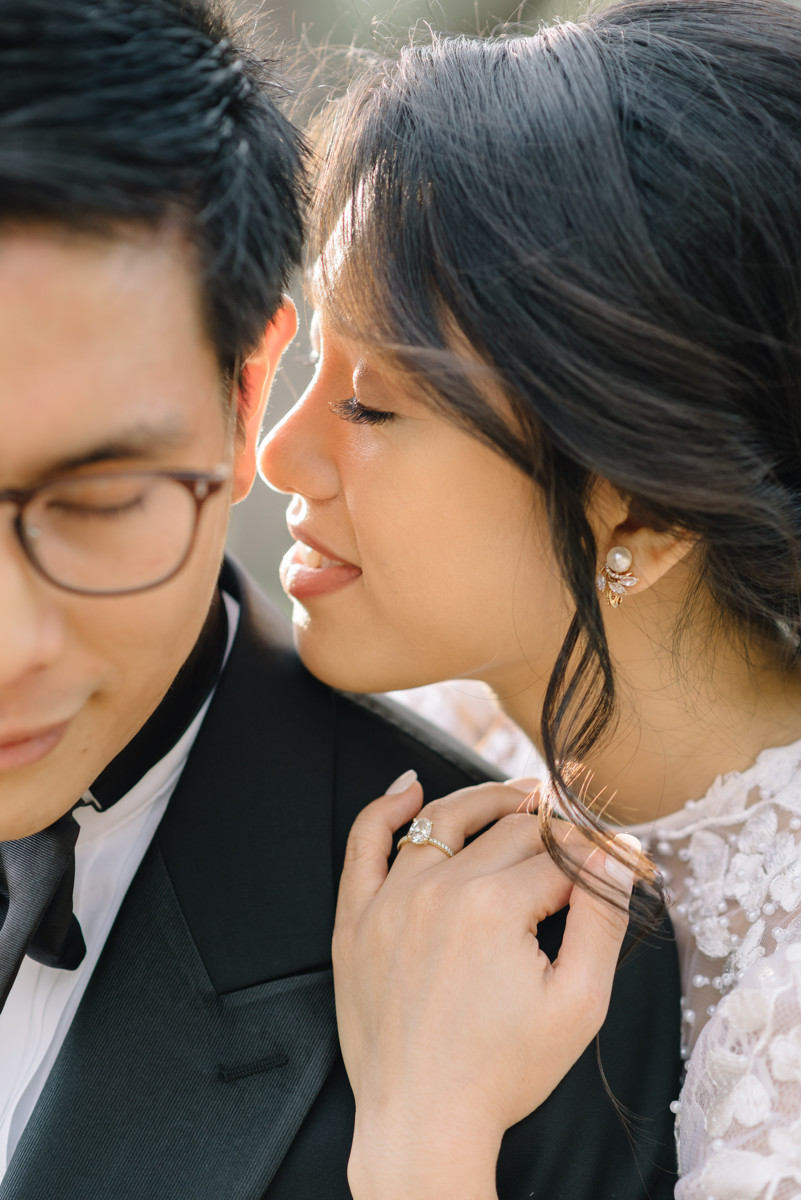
x: 208, y: 1090
x: 214, y: 992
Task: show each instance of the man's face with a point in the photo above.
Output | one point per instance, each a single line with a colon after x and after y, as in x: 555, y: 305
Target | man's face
x: 104, y: 366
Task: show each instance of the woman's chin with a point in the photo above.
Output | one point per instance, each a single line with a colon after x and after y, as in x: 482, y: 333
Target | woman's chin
x: 347, y: 670
x: 331, y: 665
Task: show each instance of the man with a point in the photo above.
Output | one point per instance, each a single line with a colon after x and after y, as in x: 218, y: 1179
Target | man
x: 175, y: 790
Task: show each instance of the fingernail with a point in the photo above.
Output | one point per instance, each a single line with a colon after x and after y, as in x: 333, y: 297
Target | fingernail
x: 523, y: 784
x: 403, y: 782
x: 617, y: 870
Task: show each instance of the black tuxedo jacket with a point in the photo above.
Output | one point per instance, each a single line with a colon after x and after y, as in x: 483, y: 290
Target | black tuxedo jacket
x: 202, y: 1063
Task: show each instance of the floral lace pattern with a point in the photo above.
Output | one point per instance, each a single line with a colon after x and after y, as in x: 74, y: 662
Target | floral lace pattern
x: 733, y: 864
x: 740, y: 1117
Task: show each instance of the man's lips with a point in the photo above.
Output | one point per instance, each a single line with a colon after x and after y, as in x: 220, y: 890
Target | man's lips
x: 310, y: 569
x: 21, y: 748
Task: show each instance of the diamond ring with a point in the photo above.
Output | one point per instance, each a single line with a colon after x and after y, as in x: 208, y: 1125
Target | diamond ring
x: 420, y: 835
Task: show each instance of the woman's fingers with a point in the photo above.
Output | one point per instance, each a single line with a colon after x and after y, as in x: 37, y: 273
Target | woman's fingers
x: 370, y: 844
x: 531, y: 889
x: 516, y: 838
x: 453, y: 818
x: 594, y: 932
x: 464, y: 813
x: 511, y: 832
x: 512, y: 839
x: 535, y: 887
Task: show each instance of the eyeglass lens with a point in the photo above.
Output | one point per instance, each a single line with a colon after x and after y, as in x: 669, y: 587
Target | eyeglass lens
x: 110, y: 534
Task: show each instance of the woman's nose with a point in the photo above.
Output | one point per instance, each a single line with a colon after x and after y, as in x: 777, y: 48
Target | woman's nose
x: 298, y: 454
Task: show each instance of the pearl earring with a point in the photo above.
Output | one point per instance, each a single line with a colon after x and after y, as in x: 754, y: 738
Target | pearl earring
x: 615, y: 576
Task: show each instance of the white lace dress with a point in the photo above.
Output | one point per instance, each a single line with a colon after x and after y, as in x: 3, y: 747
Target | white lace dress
x: 732, y: 861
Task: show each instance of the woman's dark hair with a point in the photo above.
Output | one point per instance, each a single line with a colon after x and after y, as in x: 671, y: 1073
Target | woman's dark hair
x: 609, y: 214
x: 149, y: 111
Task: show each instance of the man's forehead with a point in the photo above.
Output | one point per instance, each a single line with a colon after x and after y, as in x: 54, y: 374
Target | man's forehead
x: 126, y: 271
x: 103, y: 351
x: 28, y: 244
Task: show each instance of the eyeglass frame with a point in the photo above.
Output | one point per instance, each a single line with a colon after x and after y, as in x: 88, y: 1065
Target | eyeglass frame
x: 201, y: 485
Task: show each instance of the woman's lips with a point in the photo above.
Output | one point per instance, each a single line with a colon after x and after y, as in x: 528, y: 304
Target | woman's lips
x: 307, y: 571
x: 26, y: 748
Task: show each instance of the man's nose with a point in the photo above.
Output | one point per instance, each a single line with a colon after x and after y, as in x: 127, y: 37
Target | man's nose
x: 299, y: 454
x: 31, y: 631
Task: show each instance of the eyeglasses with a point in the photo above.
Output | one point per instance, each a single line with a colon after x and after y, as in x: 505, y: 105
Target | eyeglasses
x: 112, y: 534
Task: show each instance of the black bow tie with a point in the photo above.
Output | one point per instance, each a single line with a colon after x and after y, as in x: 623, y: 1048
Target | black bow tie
x: 37, y: 872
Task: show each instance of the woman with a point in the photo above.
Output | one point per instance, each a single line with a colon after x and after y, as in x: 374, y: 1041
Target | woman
x: 554, y: 444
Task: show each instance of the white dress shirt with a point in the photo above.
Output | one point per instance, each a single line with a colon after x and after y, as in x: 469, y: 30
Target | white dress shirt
x: 44, y: 1000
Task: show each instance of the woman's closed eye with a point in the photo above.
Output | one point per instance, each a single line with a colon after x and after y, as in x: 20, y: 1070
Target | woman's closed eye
x: 359, y: 414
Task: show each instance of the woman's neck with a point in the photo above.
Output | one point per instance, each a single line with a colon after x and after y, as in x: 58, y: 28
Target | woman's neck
x: 687, y: 712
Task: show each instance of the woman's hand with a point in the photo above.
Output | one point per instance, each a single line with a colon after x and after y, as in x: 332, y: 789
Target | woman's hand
x: 453, y: 1023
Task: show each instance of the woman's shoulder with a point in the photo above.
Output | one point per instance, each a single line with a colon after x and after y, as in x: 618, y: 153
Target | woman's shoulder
x: 732, y: 862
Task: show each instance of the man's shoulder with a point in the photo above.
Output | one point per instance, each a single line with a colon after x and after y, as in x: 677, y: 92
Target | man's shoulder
x: 376, y: 733
x: 369, y: 731
x: 259, y: 819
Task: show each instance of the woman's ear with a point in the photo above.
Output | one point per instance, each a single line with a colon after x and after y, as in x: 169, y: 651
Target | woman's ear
x: 257, y: 378
x: 653, y: 553
x: 619, y: 527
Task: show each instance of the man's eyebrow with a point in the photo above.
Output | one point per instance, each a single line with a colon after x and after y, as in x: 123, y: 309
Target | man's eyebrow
x: 146, y: 440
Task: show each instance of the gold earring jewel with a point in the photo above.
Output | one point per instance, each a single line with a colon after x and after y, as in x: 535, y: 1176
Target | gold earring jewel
x: 615, y: 576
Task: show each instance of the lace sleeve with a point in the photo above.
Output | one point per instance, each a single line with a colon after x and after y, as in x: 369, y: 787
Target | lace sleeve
x: 740, y: 1119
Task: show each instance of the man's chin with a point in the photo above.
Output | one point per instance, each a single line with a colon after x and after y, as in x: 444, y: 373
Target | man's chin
x: 15, y: 824
x: 34, y: 796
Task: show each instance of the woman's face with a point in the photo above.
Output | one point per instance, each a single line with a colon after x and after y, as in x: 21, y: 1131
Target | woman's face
x: 420, y: 553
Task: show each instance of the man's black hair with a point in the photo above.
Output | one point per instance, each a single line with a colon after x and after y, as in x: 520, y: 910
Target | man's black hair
x: 148, y: 111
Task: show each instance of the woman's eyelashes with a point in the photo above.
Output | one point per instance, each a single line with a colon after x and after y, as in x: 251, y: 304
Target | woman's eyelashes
x: 352, y: 410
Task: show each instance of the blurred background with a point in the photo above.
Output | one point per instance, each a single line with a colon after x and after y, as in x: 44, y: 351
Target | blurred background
x: 258, y: 535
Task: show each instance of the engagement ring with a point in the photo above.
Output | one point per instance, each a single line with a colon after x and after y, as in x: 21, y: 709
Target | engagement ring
x: 420, y: 835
